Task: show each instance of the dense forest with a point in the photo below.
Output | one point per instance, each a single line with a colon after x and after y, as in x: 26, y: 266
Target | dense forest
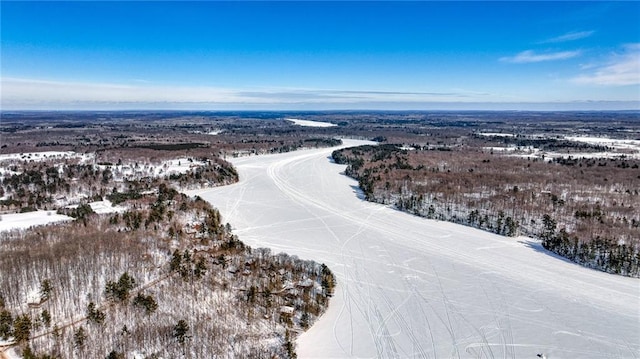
x: 159, y: 275
x: 153, y: 273
x: 165, y: 278
x: 584, y: 209
x: 28, y: 184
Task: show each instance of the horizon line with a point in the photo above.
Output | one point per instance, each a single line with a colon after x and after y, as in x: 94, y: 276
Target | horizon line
x: 2, y: 111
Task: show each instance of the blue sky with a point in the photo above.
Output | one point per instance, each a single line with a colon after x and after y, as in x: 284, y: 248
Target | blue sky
x: 320, y: 55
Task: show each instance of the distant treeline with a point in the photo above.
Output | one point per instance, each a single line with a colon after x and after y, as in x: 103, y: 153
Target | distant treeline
x: 582, y: 209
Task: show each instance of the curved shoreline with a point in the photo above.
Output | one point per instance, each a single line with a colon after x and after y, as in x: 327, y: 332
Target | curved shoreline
x: 411, y: 286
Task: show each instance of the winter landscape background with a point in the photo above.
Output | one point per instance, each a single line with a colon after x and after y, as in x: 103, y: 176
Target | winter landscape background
x: 319, y: 179
x: 413, y: 287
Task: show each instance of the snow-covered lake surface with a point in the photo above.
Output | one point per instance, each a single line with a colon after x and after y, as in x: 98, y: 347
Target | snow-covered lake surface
x: 409, y: 287
x: 308, y: 123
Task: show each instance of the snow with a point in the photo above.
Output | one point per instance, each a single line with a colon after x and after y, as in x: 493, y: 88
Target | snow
x: 9, y: 354
x: 178, y: 165
x: 140, y: 355
x: 595, y: 155
x: 412, y: 287
x: 621, y: 148
x: 9, y: 158
x: 286, y: 310
x: 7, y: 342
x: 33, y: 296
x: 501, y: 149
x: 496, y: 134
x: 102, y: 207
x: 308, y: 123
x: 46, y: 155
x: 26, y: 220
x: 605, y: 141
x: 5, y: 172
x: 105, y: 206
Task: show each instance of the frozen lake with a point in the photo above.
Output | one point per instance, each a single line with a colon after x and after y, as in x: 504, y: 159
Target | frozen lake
x: 409, y: 287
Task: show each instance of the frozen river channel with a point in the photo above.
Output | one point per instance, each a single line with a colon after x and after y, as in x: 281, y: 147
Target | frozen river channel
x: 409, y: 287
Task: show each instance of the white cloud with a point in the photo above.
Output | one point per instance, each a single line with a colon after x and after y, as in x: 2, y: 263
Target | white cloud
x: 570, y: 36
x: 34, y: 93
x: 529, y: 56
x: 622, y: 69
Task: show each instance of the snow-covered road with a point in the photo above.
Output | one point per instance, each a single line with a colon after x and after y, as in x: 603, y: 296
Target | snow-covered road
x: 409, y: 287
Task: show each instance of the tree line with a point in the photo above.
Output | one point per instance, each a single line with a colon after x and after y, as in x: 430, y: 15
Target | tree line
x: 165, y: 278
x: 592, y: 206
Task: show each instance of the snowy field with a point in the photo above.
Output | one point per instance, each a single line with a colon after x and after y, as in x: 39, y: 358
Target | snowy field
x: 409, y: 287
x: 26, y: 220
x: 102, y: 207
x: 620, y: 148
x: 496, y: 134
x: 308, y: 123
x: 46, y: 155
x: 633, y: 145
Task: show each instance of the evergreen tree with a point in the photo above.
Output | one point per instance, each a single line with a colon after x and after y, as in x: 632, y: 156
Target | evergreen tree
x: 95, y: 315
x: 45, y: 290
x: 548, y: 231
x: 27, y: 353
x: 6, y: 322
x: 120, y: 290
x: 147, y: 302
x: 115, y: 355
x: 200, y: 269
x: 176, y: 261
x: 289, y: 346
x: 328, y: 280
x: 180, y: 331
x: 22, y: 328
x: 79, y: 337
x: 46, y: 318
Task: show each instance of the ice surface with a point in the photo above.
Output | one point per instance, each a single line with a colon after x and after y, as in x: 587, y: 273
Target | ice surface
x: 409, y: 287
x: 308, y: 123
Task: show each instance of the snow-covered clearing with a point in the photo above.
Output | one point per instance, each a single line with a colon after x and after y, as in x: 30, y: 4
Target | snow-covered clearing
x: 8, y: 159
x: 28, y: 219
x: 412, y: 287
x: 168, y: 167
x: 46, y: 155
x: 496, y: 134
x: 105, y: 206
x: 620, y: 148
x: 308, y: 123
x: 605, y: 141
x: 102, y: 207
